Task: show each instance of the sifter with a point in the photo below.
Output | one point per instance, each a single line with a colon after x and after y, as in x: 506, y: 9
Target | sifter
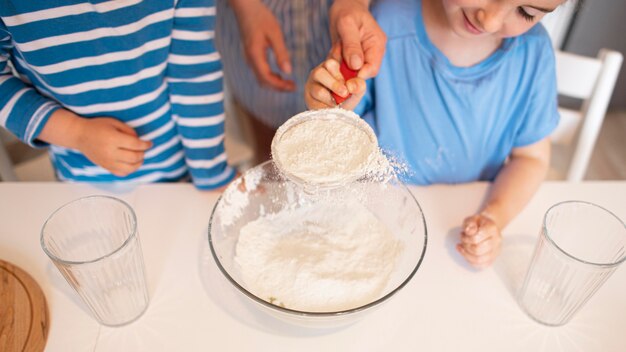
x: 309, y: 161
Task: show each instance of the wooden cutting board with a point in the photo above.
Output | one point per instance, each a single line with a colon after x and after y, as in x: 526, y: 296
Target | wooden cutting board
x: 23, y: 311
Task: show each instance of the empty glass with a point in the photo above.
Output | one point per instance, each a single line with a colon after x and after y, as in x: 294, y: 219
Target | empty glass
x: 581, y: 244
x: 93, y: 242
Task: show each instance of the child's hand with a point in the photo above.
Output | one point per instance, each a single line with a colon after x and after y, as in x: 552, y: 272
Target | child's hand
x: 111, y: 144
x: 480, y: 240
x: 326, y: 78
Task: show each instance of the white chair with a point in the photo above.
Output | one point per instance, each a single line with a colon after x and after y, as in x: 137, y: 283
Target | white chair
x: 592, y: 80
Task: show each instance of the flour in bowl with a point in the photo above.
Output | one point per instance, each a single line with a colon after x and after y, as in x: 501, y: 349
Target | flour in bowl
x: 321, y: 257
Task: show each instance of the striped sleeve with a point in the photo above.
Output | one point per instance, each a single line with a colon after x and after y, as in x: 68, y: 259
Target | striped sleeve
x: 23, y: 111
x: 196, y: 95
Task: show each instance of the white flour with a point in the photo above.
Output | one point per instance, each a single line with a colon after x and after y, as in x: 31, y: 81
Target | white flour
x: 324, y: 251
x: 237, y: 196
x: 320, y: 257
x: 328, y: 147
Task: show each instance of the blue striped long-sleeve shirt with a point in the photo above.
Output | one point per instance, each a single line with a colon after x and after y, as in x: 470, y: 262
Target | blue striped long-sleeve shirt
x: 149, y: 63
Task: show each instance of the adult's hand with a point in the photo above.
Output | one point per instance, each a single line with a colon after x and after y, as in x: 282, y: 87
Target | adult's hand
x: 362, y: 40
x: 260, y: 32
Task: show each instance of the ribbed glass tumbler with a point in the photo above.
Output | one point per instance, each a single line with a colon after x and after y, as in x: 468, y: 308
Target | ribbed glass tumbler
x: 93, y: 242
x: 580, y: 245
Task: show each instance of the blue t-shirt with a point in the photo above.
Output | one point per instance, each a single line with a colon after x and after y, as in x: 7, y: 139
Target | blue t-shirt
x: 457, y: 124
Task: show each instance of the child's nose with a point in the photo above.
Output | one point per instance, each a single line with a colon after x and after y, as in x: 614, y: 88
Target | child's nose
x: 491, y: 17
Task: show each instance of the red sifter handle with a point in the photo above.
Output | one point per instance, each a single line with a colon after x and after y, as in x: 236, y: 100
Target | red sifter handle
x: 347, y: 74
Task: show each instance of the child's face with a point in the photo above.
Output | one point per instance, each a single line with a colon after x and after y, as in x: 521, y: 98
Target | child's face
x: 495, y: 18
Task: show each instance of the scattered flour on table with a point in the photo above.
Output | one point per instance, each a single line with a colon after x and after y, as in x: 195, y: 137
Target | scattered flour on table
x: 319, y: 257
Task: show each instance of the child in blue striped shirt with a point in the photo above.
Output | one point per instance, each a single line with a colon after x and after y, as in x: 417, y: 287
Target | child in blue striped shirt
x: 123, y: 91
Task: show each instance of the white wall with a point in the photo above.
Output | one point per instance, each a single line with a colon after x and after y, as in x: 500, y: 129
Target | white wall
x: 602, y: 24
x: 557, y: 23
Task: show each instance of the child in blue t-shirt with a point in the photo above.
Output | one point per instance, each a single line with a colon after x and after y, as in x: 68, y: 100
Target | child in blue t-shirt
x: 466, y: 92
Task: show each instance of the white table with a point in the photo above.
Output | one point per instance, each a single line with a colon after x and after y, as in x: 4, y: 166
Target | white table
x: 447, y: 306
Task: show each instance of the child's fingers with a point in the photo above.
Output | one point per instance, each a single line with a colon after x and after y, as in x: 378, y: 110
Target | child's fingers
x: 332, y: 66
x: 480, y: 241
x: 122, y: 127
x: 126, y: 169
x: 319, y: 97
x: 352, y: 101
x: 356, y: 86
x: 478, y: 228
x: 129, y: 142
x: 481, y: 234
x: 478, y: 261
x: 322, y: 76
x: 474, y: 234
x: 481, y: 248
x: 129, y: 156
x: 476, y: 238
x: 470, y: 226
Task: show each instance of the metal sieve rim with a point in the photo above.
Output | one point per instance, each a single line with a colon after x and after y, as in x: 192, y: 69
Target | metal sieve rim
x: 346, y: 116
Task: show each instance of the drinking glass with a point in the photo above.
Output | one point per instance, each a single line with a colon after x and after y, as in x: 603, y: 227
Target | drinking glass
x: 93, y: 242
x: 580, y: 245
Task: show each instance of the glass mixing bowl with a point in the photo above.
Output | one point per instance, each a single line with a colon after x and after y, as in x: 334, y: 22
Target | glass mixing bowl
x: 264, y: 190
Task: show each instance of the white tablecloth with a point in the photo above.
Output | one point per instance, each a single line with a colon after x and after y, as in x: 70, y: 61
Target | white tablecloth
x: 447, y: 306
